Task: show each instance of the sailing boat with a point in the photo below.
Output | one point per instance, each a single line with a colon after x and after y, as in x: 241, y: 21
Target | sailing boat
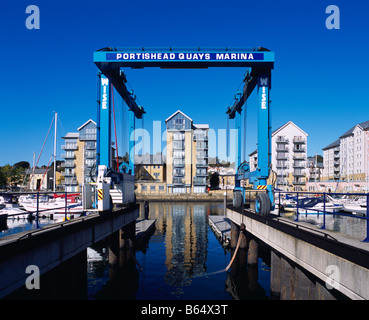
x: 51, y: 204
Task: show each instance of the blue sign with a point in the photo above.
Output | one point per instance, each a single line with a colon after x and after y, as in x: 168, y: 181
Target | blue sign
x: 185, y: 56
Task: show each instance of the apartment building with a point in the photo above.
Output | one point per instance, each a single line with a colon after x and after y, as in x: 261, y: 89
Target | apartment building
x: 80, y: 156
x: 331, y: 160
x: 187, y: 154
x: 289, y: 155
x: 150, y: 174
x: 347, y: 159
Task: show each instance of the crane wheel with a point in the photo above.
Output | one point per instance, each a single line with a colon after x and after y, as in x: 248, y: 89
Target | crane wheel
x: 237, y: 199
x: 262, y: 204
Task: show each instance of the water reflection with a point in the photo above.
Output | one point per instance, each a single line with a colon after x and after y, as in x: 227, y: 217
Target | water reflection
x: 14, y: 225
x: 186, y: 243
x: 180, y: 261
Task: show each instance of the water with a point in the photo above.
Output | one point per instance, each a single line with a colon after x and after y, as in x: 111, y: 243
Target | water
x: 180, y: 262
x: 15, y: 225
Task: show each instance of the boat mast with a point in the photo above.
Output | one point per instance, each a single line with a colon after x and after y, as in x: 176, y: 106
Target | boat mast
x: 56, y: 120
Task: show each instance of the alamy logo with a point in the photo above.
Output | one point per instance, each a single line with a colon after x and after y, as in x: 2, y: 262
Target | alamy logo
x: 333, y: 20
x: 33, y: 20
x: 333, y: 277
x: 33, y: 281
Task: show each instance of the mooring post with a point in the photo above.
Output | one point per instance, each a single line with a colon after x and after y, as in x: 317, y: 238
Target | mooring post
x: 113, y: 247
x: 242, y: 234
x: 234, y: 234
x: 252, y: 256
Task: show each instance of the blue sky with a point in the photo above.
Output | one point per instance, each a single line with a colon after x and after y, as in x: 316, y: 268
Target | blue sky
x: 319, y: 81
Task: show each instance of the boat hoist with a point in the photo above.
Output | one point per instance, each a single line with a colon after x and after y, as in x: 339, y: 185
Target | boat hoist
x: 111, y: 61
x: 259, y: 78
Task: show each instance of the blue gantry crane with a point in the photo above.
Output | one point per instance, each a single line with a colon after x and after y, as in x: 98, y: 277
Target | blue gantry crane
x: 260, y: 78
x: 110, y: 62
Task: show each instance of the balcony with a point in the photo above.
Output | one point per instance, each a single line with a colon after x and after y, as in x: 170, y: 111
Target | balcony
x: 201, y: 173
x: 70, y: 181
x: 281, y: 140
x: 298, y: 182
x: 90, y: 155
x: 298, y: 149
x: 89, y: 164
x: 178, y: 173
x: 201, y: 155
x: 200, y: 138
x: 68, y: 156
x: 88, y: 136
x: 298, y: 164
x: 68, y: 174
x: 178, y: 155
x: 201, y: 146
x: 281, y: 148
x: 199, y: 181
x: 68, y: 164
x: 178, y: 145
x: 282, y: 166
x: 297, y: 139
x: 69, y: 146
x: 177, y: 180
x: 282, y: 174
x: 298, y: 173
x: 298, y: 156
x: 89, y: 145
x: 201, y: 164
x: 281, y: 156
x: 178, y: 164
x: 178, y: 137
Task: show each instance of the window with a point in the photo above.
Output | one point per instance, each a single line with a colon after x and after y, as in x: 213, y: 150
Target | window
x: 152, y: 188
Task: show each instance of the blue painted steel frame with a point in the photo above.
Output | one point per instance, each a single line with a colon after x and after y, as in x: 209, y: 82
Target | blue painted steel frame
x: 111, y: 60
x: 105, y: 119
x: 132, y: 125
x: 261, y: 174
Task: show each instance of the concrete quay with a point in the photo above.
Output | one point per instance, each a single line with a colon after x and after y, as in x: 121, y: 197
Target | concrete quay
x: 335, y: 258
x: 58, y: 243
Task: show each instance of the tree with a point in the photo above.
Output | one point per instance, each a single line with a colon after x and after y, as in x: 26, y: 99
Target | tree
x: 22, y: 164
x: 214, y: 181
x: 2, y: 178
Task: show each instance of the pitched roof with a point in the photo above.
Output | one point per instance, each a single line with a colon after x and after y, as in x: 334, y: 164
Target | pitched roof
x: 86, y: 123
x: 201, y: 126
x: 176, y: 113
x: 285, y: 125
x: 37, y: 170
x: 364, y: 125
x: 332, y: 145
x: 71, y: 135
